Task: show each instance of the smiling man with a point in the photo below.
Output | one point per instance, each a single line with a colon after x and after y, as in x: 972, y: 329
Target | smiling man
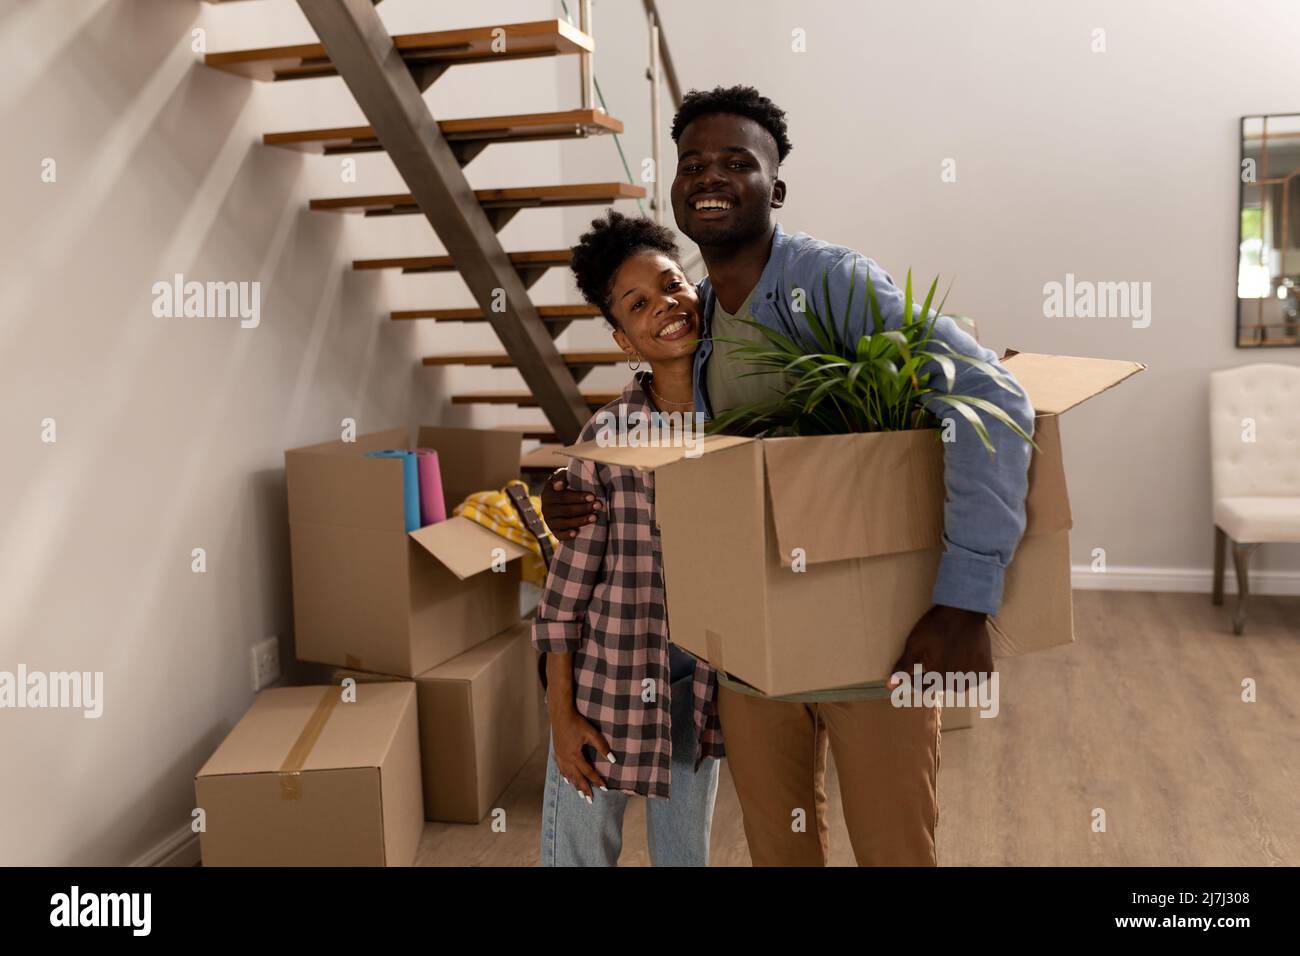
x: 730, y: 145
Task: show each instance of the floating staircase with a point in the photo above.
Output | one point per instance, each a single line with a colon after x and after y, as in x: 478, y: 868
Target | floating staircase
x: 430, y: 155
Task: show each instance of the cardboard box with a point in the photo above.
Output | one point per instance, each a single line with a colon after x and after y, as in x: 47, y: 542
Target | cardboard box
x: 368, y: 595
x: 866, y: 513
x: 306, y: 779
x: 481, y: 717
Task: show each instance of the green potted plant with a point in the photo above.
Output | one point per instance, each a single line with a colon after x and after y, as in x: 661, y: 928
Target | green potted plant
x: 880, y: 381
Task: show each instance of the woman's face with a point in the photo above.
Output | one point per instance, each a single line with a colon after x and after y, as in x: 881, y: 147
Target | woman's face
x: 656, y: 307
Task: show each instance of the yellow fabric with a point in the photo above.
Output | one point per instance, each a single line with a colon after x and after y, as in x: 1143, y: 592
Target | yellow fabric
x: 494, y: 511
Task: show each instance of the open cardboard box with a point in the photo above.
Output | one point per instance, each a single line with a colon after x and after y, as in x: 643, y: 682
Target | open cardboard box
x: 371, y: 596
x: 864, y: 514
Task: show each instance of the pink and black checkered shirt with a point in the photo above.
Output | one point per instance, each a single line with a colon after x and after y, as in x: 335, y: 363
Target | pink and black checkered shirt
x: 604, y: 601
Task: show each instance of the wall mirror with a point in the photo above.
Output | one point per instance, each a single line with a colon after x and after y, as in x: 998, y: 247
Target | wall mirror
x: 1268, y: 238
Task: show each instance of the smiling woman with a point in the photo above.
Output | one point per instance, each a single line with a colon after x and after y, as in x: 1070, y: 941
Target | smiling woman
x: 631, y: 270
x: 630, y: 714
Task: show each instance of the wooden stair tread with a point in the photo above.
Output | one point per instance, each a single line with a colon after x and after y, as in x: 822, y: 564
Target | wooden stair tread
x: 526, y: 399
x: 501, y: 359
x: 552, y: 313
x: 546, y: 457
x: 522, y: 127
x: 472, y: 45
x: 412, y: 264
x: 572, y: 194
x: 543, y: 433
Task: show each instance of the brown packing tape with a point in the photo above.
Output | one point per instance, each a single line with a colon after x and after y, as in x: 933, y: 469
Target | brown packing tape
x: 291, y: 770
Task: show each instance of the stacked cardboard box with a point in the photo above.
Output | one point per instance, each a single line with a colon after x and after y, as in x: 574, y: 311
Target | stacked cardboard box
x: 480, y: 718
x: 370, y: 596
x: 345, y: 775
x: 308, y: 778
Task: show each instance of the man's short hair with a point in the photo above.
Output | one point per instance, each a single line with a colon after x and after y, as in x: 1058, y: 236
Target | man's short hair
x: 741, y: 101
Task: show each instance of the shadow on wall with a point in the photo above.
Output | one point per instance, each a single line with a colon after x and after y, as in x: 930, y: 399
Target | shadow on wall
x: 263, y: 532
x: 100, y: 77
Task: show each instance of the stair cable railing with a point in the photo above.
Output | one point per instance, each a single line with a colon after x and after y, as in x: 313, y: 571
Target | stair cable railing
x: 660, y: 72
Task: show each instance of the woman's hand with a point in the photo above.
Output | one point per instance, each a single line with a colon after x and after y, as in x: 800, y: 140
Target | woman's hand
x: 571, y: 731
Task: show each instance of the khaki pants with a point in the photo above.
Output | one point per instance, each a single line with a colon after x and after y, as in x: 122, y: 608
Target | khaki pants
x: 887, y: 759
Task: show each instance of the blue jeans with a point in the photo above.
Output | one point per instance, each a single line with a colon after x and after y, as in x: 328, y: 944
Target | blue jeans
x: 575, y: 833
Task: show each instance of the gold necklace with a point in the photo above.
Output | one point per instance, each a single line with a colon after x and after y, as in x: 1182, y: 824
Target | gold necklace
x: 663, y: 401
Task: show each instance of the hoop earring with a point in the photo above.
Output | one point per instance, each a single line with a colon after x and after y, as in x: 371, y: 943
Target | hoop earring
x: 636, y: 366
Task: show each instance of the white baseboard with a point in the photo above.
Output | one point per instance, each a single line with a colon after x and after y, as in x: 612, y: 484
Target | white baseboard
x: 179, y: 849
x: 1189, y: 580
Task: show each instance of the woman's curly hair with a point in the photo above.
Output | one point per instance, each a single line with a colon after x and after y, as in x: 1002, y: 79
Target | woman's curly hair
x: 611, y: 242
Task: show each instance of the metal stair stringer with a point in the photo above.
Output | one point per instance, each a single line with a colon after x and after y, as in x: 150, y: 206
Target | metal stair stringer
x: 381, y: 82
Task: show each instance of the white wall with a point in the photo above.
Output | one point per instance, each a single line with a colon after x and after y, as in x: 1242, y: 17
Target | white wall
x: 1114, y: 166
x: 171, y: 432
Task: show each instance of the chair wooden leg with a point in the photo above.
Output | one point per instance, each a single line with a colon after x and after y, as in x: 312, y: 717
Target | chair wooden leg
x: 1241, y: 559
x: 1220, y: 548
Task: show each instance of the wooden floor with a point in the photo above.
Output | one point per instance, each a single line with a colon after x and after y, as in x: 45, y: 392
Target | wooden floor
x: 1142, y: 717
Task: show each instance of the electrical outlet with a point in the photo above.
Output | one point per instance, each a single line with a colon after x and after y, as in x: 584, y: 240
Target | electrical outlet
x: 266, y: 662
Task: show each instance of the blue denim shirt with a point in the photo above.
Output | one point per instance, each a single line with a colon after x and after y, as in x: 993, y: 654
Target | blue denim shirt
x: 984, y: 511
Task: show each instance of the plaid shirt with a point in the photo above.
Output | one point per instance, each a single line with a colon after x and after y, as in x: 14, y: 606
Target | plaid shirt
x: 604, y: 601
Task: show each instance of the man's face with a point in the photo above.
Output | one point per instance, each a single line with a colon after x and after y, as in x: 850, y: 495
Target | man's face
x: 726, y: 186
